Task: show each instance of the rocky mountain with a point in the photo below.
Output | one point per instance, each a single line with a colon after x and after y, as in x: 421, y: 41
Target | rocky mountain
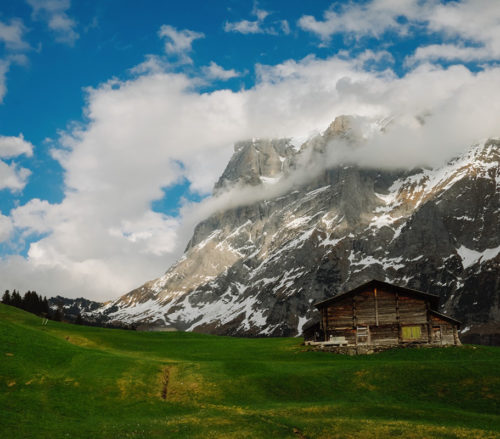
x: 302, y: 228
x: 73, y: 307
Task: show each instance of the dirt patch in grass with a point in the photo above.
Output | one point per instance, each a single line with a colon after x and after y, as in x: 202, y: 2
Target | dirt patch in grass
x: 186, y: 383
x: 361, y: 381
x: 79, y: 340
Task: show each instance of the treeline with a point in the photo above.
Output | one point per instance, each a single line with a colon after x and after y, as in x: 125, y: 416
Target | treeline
x: 36, y: 304
x: 31, y: 302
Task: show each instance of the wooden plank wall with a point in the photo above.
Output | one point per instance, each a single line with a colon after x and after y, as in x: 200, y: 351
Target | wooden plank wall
x: 412, y: 310
x: 386, y: 307
x: 447, y: 330
x: 366, y: 310
x: 385, y: 334
x: 340, y: 314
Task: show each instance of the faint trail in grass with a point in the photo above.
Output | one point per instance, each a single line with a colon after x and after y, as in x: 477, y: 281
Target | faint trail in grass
x: 165, y: 378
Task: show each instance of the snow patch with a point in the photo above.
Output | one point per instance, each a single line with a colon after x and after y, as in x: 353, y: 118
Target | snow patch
x: 270, y: 180
x: 470, y: 257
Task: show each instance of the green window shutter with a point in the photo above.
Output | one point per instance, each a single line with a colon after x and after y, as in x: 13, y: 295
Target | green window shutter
x: 412, y: 332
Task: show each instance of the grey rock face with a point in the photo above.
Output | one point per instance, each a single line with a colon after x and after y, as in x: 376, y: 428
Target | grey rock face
x: 257, y: 269
x: 254, y: 161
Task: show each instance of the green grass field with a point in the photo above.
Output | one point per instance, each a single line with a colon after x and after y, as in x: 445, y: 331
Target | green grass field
x: 68, y: 381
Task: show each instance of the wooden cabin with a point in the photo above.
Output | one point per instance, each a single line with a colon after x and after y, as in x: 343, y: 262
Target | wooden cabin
x: 381, y: 314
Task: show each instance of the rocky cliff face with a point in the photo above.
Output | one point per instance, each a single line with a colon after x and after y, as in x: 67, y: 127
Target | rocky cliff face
x: 317, y: 230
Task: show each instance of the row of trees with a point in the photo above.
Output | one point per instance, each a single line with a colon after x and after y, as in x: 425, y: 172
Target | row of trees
x: 36, y: 304
x: 32, y: 302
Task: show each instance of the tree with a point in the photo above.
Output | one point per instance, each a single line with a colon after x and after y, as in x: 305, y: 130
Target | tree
x: 45, y: 306
x: 29, y: 302
x: 6, y: 297
x: 79, y: 320
x: 58, y: 314
x: 16, y: 299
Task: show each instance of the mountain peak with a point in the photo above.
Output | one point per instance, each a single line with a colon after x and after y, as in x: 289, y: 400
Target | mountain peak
x: 256, y: 269
x: 342, y: 126
x: 254, y: 161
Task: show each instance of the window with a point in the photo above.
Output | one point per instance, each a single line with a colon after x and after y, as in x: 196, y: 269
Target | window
x: 412, y: 332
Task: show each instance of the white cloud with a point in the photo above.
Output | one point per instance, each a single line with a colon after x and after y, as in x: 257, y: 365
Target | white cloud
x: 33, y: 217
x: 285, y: 27
x: 54, y: 12
x: 372, y: 18
x: 369, y: 58
x: 6, y: 228
x: 258, y: 26
x: 244, y: 27
x: 12, y: 35
x: 448, y: 52
x: 11, y: 146
x: 215, y: 71
x: 155, y: 230
x: 475, y: 20
x: 154, y: 130
x: 470, y: 29
x: 151, y: 64
x: 475, y: 23
x: 179, y: 42
x: 12, y: 176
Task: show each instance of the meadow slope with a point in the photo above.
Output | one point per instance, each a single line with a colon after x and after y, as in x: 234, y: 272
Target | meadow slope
x: 68, y: 381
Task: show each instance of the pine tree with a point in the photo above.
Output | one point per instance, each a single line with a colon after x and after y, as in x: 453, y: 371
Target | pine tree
x: 79, y: 320
x: 6, y: 298
x: 45, y: 307
x: 16, y: 299
x: 29, y: 302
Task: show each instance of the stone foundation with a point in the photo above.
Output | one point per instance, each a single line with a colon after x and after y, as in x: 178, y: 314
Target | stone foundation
x: 365, y: 349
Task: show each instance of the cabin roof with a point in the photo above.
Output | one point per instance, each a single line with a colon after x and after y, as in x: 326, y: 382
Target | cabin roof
x: 374, y: 283
x: 445, y: 317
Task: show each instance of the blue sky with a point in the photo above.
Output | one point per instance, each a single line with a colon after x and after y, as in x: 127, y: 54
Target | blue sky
x: 117, y: 117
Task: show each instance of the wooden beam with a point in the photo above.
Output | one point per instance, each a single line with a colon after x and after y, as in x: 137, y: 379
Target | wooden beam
x: 376, y: 306
x: 455, y: 335
x: 397, y: 307
x: 429, y: 321
x: 324, y: 313
x: 398, y: 320
x: 354, y: 316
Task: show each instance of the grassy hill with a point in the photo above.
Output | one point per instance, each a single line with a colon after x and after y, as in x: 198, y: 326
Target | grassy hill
x: 68, y: 381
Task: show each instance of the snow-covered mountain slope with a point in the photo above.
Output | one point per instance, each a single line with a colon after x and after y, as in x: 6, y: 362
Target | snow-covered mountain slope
x: 258, y: 268
x: 73, y: 307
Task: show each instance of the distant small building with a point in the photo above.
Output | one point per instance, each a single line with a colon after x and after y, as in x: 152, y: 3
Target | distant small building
x: 378, y: 314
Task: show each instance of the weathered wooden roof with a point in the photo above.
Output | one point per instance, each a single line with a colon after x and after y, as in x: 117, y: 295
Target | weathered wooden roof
x: 374, y: 283
x: 445, y: 317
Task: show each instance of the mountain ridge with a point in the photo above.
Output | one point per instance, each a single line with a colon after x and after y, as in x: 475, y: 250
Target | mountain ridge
x: 257, y: 268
